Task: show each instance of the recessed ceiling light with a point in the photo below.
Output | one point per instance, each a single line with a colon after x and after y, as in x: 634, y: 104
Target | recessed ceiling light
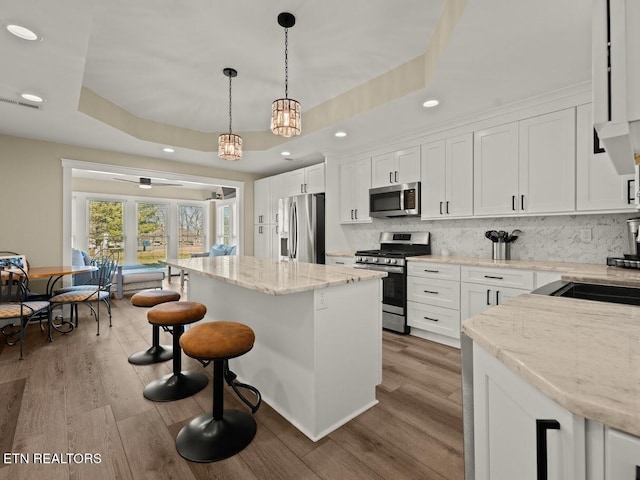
x: 168, y: 150
x: 340, y: 134
x: 285, y: 154
x: 430, y: 103
x: 32, y: 97
x: 22, y: 32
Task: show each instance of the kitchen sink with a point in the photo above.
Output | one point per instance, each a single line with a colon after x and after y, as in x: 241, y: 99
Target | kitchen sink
x: 589, y: 291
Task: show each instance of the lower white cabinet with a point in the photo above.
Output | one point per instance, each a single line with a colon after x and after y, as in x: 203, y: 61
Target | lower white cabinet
x: 444, y: 321
x: 515, y: 426
x: 344, y: 261
x: 622, y: 455
x: 475, y: 298
x: 265, y: 241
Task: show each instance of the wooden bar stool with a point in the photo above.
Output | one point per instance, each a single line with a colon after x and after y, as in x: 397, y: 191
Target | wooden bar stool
x: 178, y: 384
x: 222, y: 433
x: 156, y: 353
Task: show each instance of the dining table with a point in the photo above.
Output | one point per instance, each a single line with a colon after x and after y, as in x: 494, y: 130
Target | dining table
x: 55, y: 273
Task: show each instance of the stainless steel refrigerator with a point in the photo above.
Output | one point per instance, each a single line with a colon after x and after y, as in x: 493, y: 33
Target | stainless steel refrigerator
x: 302, y: 228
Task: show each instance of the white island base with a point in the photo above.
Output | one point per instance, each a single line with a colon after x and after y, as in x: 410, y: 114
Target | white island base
x: 317, y: 356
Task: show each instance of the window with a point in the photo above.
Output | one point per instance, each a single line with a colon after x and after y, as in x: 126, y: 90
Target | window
x: 190, y: 230
x: 152, y: 233
x: 106, y: 227
x: 226, y: 222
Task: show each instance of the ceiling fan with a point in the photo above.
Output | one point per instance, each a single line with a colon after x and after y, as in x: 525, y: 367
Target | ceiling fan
x: 144, y: 182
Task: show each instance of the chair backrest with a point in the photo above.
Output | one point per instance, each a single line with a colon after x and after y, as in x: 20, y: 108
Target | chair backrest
x: 107, y: 266
x: 14, y: 282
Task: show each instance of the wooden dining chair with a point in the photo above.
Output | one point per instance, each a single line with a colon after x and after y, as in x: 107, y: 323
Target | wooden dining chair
x: 95, y: 292
x: 14, y: 304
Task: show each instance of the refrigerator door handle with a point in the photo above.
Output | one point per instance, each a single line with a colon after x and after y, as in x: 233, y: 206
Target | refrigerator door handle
x: 295, y: 230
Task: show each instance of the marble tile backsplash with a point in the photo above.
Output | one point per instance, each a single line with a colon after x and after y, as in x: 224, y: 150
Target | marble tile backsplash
x: 543, y: 238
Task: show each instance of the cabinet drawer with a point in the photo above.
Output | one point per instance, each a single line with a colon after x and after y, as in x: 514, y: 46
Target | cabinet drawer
x: 433, y: 270
x: 340, y: 261
x: 500, y: 277
x: 622, y: 455
x: 443, y: 293
x: 444, y: 321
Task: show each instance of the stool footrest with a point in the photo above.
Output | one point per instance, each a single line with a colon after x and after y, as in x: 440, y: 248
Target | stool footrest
x: 204, y: 439
x: 175, y: 386
x: 158, y: 354
x: 230, y: 378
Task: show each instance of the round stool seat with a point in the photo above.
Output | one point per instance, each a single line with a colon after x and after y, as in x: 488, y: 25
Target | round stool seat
x: 212, y: 340
x: 151, y: 298
x: 176, y: 313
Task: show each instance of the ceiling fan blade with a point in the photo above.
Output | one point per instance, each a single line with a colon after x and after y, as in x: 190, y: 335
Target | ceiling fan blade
x: 125, y: 180
x: 167, y: 184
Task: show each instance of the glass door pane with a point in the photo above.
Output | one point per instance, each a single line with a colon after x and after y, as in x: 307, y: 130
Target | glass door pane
x: 152, y: 233
x: 106, y: 227
x: 190, y: 230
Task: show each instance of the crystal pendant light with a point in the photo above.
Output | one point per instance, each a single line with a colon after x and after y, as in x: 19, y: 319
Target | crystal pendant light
x: 285, y: 112
x: 230, y: 144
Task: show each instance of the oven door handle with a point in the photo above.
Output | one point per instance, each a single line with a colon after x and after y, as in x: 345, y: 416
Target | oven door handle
x: 380, y: 268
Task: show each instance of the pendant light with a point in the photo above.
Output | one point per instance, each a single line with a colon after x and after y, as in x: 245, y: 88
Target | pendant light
x: 230, y: 144
x: 285, y: 112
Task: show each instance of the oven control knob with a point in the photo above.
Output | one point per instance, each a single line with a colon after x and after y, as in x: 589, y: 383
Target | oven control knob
x: 387, y: 260
x: 358, y: 259
x: 375, y: 260
x: 393, y: 261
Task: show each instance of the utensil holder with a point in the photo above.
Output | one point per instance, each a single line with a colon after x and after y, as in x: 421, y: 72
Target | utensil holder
x: 501, y: 251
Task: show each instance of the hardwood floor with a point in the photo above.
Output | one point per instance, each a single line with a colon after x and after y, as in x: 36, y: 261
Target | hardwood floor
x: 80, y: 395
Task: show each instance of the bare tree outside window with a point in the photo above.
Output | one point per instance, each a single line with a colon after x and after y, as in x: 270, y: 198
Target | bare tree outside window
x: 190, y: 230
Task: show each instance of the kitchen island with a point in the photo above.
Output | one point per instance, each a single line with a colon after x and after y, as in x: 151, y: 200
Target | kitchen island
x: 317, y: 357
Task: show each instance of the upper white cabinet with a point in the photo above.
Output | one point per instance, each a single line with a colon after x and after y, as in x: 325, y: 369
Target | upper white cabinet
x: 616, y: 79
x: 304, y: 180
x: 547, y: 163
x: 526, y: 167
x: 447, y: 177
x: 599, y: 186
x: 402, y: 166
x: 262, y: 201
x: 495, y: 170
x: 355, y: 181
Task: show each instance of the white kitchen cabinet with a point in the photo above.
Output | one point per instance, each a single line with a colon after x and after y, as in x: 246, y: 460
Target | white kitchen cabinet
x: 598, y: 184
x: 499, y: 277
x: 447, y: 178
x: 433, y: 301
x: 262, y: 201
x: 547, y: 163
x: 495, y: 170
x: 262, y: 241
x: 341, y: 261
x: 526, y: 167
x: 304, y: 180
x: 355, y: 181
x: 475, y: 298
x: 508, y: 413
x: 622, y: 461
x: 402, y: 166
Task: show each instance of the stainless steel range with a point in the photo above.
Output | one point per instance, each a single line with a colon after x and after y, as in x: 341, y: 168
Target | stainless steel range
x: 391, y: 258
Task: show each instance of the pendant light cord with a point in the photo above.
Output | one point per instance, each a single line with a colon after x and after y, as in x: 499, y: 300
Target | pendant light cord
x: 286, y: 63
x: 229, y: 104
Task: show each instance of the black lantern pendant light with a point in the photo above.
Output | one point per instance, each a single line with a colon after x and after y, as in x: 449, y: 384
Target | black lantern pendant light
x: 285, y: 112
x: 230, y: 144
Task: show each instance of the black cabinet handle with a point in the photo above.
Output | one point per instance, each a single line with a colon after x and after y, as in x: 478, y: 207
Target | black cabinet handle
x: 541, y: 444
x: 356, y: 212
x: 390, y: 177
x: 447, y: 209
x: 495, y: 278
x: 352, y: 214
x: 637, y: 472
x: 521, y: 202
x: 430, y: 291
x: 497, y: 298
x: 513, y: 202
x: 432, y: 271
x: 396, y: 177
x: 488, y: 301
x: 432, y: 319
x: 339, y: 263
x: 630, y: 195
x: 440, y: 208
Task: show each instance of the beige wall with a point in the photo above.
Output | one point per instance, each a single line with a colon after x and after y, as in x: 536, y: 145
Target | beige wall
x: 31, y: 192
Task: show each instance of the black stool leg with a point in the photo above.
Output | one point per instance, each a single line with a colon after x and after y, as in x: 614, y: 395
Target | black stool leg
x: 217, y: 435
x: 178, y: 384
x: 155, y: 354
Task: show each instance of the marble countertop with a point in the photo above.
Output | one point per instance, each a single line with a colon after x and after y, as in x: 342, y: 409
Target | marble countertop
x: 340, y: 254
x: 273, y: 277
x: 584, y: 355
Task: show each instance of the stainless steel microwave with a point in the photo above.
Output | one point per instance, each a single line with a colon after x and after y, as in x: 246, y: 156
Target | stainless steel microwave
x: 395, y: 200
